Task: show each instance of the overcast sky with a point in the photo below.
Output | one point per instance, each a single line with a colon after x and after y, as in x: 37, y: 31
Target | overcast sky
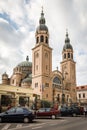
x: 18, y: 22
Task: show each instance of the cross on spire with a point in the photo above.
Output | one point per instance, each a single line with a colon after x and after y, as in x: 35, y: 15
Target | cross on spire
x: 42, y: 9
x: 27, y: 58
x: 67, y: 32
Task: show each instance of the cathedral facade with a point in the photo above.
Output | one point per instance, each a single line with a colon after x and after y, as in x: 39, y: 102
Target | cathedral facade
x: 54, y: 86
x: 51, y: 85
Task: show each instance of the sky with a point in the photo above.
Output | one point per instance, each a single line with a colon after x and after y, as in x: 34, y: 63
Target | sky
x: 19, y: 20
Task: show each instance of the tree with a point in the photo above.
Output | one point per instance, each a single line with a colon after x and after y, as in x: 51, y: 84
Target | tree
x: 45, y: 103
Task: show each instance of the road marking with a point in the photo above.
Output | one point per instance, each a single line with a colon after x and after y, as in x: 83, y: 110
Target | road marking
x: 19, y: 125
x: 17, y: 128
x: 6, y: 127
x: 30, y: 125
x: 37, y: 127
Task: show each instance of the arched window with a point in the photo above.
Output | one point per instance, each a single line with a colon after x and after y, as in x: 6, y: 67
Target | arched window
x: 41, y: 38
x: 64, y: 56
x: 13, y: 81
x: 68, y: 55
x: 17, y: 69
x: 36, y: 67
x: 37, y: 55
x: 58, y: 97
x: 63, y: 98
x: 47, y: 40
x: 71, y: 55
x: 37, y: 40
x: 46, y: 55
x: 56, y: 80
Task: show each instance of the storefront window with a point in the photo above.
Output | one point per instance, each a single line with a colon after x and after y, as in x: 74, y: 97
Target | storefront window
x: 6, y: 100
x: 23, y: 101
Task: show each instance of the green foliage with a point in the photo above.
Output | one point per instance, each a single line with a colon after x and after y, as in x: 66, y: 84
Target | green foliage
x: 45, y: 103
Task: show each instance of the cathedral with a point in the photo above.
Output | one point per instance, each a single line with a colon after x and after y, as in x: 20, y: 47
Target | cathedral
x: 54, y: 86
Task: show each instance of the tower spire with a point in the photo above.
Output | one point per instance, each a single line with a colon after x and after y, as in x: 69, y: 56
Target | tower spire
x: 42, y: 9
x: 42, y: 19
x: 42, y: 33
x: 67, y: 40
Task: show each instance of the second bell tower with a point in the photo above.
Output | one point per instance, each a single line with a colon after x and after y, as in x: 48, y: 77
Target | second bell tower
x: 68, y: 67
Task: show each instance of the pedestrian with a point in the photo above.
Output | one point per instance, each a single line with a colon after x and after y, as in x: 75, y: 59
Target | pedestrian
x: 9, y: 106
x: 85, y: 111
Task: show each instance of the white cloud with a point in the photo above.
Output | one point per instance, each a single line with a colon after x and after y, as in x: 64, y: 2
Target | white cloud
x: 17, y: 32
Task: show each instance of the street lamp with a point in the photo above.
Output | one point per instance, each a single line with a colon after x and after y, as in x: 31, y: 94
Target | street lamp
x: 35, y: 104
x: 53, y: 94
x: 63, y: 95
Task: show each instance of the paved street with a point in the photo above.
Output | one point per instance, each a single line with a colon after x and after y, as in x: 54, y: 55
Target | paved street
x: 63, y: 123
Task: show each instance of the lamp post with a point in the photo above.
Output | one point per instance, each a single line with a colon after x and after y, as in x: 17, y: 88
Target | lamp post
x: 35, y: 102
x: 53, y: 94
x: 63, y: 95
x: 63, y: 91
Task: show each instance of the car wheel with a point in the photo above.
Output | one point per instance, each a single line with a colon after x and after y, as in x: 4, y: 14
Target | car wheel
x: 53, y: 117
x: 26, y: 120
x: 0, y: 119
x: 74, y: 114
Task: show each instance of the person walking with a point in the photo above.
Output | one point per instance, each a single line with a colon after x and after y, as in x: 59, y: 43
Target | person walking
x: 85, y: 111
x: 9, y: 106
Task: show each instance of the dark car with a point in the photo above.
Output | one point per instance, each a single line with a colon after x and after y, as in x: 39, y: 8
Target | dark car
x: 47, y: 113
x: 17, y: 114
x: 70, y: 111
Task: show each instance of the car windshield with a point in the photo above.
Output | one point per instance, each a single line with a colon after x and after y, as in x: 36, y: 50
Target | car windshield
x: 44, y: 109
x: 41, y: 110
x: 48, y: 109
x: 12, y: 110
x: 19, y: 110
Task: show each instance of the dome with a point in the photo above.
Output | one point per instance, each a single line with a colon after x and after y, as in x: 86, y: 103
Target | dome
x: 67, y: 43
x: 42, y: 27
x: 5, y: 74
x: 67, y: 46
x: 25, y: 63
x: 28, y: 79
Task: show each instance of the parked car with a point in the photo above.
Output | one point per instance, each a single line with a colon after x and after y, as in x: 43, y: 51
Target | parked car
x: 17, y: 114
x: 71, y: 111
x: 47, y: 113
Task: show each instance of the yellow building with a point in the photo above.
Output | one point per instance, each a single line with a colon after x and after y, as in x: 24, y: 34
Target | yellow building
x: 37, y: 78
x: 13, y: 95
x: 18, y: 88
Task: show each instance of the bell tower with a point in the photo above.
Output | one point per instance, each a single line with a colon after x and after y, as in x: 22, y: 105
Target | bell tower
x: 41, y: 58
x: 68, y: 67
